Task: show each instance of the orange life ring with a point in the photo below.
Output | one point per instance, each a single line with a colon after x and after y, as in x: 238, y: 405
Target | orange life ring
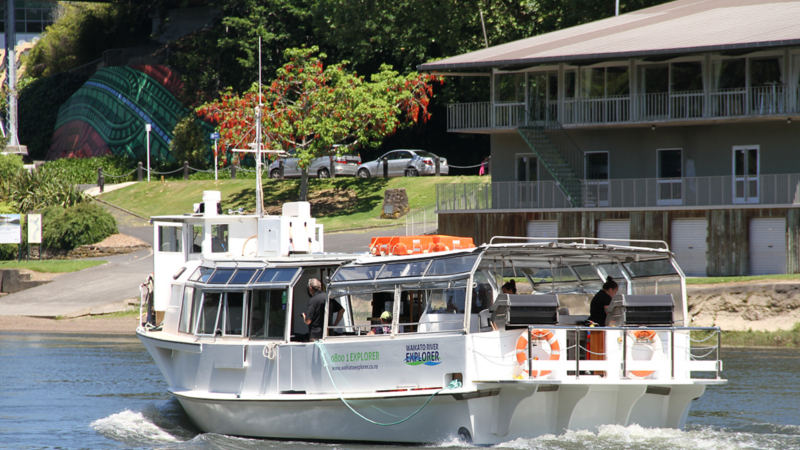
x: 537, y: 335
x: 643, y: 336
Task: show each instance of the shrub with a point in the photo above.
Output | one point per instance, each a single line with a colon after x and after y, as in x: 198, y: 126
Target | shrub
x: 67, y: 228
x: 191, y: 144
x: 10, y: 166
x: 84, y: 170
x: 32, y: 191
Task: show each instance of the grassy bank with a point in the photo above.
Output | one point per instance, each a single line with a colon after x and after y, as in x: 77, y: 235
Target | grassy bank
x: 52, y: 265
x: 780, y: 338
x: 340, y: 204
x: 749, y: 278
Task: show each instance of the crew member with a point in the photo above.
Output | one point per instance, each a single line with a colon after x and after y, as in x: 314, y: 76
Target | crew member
x: 599, y: 306
x: 315, y: 315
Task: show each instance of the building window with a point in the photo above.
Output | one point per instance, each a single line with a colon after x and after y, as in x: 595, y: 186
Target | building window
x: 527, y: 168
x: 670, y: 183
x: 509, y: 88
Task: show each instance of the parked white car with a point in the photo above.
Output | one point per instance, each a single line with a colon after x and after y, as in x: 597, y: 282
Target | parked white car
x: 408, y: 162
x: 345, y: 165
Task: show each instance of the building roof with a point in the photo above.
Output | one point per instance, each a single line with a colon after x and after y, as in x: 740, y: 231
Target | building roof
x: 670, y: 29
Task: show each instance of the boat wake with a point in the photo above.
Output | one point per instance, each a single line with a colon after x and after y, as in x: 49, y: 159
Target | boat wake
x: 637, y: 437
x: 156, y: 425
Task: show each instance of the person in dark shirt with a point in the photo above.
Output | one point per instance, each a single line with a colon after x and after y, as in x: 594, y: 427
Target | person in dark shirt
x: 600, y: 302
x: 315, y: 315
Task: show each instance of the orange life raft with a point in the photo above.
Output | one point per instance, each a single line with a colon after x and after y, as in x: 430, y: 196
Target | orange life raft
x: 415, y: 245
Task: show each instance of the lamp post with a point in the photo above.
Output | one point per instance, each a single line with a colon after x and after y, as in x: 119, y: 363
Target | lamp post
x: 147, y: 128
x: 215, y: 138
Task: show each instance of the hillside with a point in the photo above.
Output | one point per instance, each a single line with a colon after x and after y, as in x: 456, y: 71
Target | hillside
x: 340, y: 203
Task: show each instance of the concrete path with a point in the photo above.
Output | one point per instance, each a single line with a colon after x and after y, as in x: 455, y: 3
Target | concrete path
x: 97, y: 290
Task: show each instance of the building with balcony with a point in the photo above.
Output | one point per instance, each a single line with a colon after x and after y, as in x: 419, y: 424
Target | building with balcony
x: 679, y: 122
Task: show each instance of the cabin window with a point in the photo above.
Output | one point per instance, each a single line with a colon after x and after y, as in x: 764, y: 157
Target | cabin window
x: 268, y: 313
x: 197, y: 239
x: 209, y: 310
x: 432, y: 310
x: 242, y: 276
x: 233, y: 314
x: 169, y: 239
x: 185, y: 323
x: 221, y: 276
x: 219, y: 238
x: 447, y: 266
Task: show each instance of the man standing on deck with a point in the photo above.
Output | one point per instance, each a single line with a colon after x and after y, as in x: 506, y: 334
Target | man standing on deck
x: 315, y: 315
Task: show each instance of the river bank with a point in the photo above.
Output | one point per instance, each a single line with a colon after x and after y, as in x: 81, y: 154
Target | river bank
x: 758, y: 313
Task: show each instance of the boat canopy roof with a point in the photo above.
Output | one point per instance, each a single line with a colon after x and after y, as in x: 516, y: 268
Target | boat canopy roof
x: 581, y: 255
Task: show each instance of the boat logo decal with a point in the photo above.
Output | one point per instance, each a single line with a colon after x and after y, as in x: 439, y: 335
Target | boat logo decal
x: 419, y: 354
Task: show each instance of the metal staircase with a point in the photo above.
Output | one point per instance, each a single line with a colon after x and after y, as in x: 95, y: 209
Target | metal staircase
x: 554, y: 162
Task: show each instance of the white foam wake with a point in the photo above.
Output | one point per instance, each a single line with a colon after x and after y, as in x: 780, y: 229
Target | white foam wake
x: 130, y: 426
x: 637, y: 437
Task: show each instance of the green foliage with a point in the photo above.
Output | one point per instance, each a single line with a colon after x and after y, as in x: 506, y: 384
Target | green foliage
x: 191, y: 144
x: 10, y: 166
x: 67, y: 228
x: 83, y: 31
x: 32, y: 191
x: 39, y: 102
x: 84, y: 170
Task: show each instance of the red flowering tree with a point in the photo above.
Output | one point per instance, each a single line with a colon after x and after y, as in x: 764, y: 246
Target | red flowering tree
x: 309, y: 108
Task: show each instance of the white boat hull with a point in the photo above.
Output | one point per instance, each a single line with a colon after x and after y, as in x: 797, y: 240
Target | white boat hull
x: 498, y: 415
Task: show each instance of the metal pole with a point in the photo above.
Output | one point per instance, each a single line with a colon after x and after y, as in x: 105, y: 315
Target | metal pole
x: 624, y: 353
x: 215, y: 160
x: 672, y: 352
x: 577, y: 353
x: 530, y: 363
x: 147, y: 128
x: 11, y: 41
x: 259, y: 192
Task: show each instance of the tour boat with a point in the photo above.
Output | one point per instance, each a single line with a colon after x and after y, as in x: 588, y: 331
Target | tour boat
x: 455, y: 357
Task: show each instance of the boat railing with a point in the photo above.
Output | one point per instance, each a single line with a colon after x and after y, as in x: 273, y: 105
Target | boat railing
x: 698, y: 353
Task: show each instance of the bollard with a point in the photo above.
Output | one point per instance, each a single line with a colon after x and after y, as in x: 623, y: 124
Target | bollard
x: 385, y: 168
x: 139, y: 171
x: 280, y: 168
x: 186, y: 170
x: 101, y: 181
x: 233, y: 172
x: 437, y: 166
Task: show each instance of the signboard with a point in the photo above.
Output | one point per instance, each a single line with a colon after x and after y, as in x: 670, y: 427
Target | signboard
x: 34, y: 228
x: 215, y: 136
x: 10, y: 229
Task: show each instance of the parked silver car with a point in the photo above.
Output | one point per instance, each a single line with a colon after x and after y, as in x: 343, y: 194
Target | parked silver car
x: 408, y: 162
x: 319, y: 167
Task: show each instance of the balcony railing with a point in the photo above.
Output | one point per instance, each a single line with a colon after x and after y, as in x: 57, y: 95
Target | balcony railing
x: 773, y: 189
x: 674, y: 106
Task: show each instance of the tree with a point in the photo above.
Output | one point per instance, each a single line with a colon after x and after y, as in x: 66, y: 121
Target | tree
x: 310, y: 107
x: 190, y: 143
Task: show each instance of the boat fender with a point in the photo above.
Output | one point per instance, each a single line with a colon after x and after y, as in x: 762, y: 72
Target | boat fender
x: 522, y: 350
x: 642, y: 337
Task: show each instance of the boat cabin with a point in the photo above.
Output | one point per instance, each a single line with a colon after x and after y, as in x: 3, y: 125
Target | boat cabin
x: 460, y: 291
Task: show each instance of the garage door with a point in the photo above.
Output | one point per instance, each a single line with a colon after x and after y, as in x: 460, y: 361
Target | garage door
x: 543, y: 228
x: 614, y: 229
x: 688, y: 240
x: 767, y: 246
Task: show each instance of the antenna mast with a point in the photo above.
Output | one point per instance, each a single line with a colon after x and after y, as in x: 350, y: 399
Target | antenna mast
x: 259, y: 189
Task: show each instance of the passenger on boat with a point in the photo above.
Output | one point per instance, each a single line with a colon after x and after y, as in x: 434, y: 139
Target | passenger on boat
x: 510, y: 287
x: 385, y: 327
x: 315, y: 315
x: 599, y: 306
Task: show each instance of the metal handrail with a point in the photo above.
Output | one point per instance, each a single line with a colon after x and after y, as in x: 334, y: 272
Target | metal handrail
x: 626, y: 329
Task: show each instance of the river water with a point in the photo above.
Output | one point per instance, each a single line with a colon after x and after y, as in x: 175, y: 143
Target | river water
x: 69, y: 391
